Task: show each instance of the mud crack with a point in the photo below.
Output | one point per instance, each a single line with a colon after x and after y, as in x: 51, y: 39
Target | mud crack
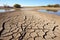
x: 54, y: 27
x: 45, y: 34
x: 3, y: 28
x: 23, y: 33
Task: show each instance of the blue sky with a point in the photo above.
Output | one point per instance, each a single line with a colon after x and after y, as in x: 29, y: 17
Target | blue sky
x: 29, y: 2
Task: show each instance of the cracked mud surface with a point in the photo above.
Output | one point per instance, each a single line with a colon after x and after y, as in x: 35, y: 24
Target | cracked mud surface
x: 28, y: 26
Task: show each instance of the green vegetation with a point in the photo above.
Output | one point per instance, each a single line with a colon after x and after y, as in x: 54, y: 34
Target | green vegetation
x: 56, y: 5
x: 17, y: 6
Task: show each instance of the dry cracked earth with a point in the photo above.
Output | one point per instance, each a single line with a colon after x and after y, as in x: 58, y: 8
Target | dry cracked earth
x: 28, y: 26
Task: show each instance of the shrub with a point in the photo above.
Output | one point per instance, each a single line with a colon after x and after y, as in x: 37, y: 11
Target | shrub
x: 56, y: 5
x: 17, y: 6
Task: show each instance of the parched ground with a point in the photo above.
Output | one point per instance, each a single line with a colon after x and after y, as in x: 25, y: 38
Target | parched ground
x: 29, y: 25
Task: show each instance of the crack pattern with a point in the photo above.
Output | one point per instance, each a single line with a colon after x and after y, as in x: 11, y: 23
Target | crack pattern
x: 27, y: 28
x: 54, y: 27
x: 45, y: 34
x: 2, y: 28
